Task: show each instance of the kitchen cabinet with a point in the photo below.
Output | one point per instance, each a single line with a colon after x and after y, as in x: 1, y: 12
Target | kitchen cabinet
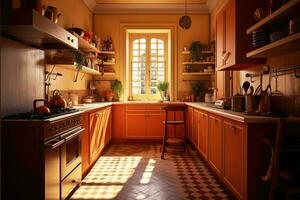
x: 232, y: 42
x: 144, y: 121
x: 85, y: 150
x: 215, y: 144
x: 195, y: 127
x: 108, y: 133
x: 203, y: 133
x: 234, y: 156
x: 118, y: 121
x: 190, y: 123
x: 95, y: 134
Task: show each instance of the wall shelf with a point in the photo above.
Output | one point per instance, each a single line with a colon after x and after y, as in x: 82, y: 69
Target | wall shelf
x: 288, y: 10
x: 198, y: 73
x: 85, y: 46
x: 109, y: 63
x: 107, y: 52
x: 280, y: 47
x: 204, y: 52
x: 83, y: 69
x: 198, y: 63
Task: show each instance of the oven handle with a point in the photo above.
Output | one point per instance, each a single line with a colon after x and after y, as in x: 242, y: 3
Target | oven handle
x: 73, y: 135
x: 51, y: 145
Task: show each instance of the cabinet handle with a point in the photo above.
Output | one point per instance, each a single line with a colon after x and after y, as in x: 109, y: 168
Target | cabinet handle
x: 226, y: 55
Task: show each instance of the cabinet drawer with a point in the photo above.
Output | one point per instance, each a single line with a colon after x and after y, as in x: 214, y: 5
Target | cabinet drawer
x: 155, y: 107
x: 136, y: 108
x: 70, y: 182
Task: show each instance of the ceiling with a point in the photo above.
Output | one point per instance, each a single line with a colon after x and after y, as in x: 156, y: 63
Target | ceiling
x: 148, y: 6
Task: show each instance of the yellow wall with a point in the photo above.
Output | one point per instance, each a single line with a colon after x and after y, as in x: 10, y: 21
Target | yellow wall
x: 77, y: 13
x: 72, y: 12
x: 111, y: 25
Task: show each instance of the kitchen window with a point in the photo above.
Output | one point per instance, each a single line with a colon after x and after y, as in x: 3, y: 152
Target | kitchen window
x: 148, y: 60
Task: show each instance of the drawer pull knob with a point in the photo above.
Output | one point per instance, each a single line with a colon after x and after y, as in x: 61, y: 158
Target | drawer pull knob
x: 73, y: 181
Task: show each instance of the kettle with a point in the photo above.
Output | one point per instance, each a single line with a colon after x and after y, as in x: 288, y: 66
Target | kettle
x: 51, y: 13
x: 57, y: 101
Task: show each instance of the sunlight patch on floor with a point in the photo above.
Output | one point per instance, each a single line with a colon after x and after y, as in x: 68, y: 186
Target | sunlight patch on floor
x: 107, y: 177
x: 148, y: 172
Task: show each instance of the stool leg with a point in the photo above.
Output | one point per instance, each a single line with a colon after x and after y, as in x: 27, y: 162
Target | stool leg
x: 165, y: 137
x: 184, y: 133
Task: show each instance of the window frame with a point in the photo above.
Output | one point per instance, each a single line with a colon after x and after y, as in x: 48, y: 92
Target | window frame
x: 164, y: 36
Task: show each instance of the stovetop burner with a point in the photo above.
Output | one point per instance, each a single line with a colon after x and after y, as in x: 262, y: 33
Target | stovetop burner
x: 33, y: 115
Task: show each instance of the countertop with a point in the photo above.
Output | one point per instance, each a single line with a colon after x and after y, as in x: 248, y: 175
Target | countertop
x: 239, y: 116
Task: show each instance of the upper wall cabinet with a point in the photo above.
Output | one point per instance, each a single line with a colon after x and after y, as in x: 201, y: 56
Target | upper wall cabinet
x: 30, y: 27
x: 232, y: 41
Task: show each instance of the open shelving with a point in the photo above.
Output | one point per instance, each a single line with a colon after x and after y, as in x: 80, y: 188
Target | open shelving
x: 279, y: 47
x: 198, y: 73
x: 287, y: 10
x: 204, y: 52
x: 198, y: 63
x: 85, y: 46
x: 284, y: 45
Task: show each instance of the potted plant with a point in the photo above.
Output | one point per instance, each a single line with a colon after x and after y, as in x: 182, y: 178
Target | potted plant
x: 198, y: 90
x: 109, y: 95
x: 162, y: 87
x: 117, y: 88
x: 196, y: 49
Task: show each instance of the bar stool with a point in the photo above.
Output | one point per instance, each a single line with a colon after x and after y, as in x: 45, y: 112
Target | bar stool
x: 174, y: 141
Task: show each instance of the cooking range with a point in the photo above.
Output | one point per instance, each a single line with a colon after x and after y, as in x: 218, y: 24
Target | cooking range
x: 41, y: 155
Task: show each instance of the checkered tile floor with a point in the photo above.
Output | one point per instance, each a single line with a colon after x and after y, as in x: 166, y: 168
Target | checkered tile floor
x: 134, y: 170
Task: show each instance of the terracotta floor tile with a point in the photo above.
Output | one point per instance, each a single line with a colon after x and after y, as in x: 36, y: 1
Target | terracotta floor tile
x: 134, y: 170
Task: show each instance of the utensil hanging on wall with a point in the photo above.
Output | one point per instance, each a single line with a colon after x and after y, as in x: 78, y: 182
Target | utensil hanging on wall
x: 185, y: 21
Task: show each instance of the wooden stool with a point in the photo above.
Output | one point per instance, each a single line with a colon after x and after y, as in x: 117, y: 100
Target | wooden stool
x: 173, y: 141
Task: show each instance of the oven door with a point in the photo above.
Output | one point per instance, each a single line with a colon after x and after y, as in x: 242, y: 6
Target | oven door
x: 71, y: 151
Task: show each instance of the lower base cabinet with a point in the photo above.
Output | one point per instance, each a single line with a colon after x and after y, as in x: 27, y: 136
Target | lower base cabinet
x: 235, y: 151
x: 215, y: 143
x: 144, y: 121
x: 233, y: 156
x: 97, y: 134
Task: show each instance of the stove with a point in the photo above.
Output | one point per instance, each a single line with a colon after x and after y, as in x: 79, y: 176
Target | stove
x: 33, y: 115
x: 41, y: 151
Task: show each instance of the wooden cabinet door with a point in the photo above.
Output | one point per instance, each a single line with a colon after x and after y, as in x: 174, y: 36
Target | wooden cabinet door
x: 234, y: 156
x: 230, y: 34
x: 95, y: 128
x: 203, y: 133
x: 118, y: 121
x: 190, y: 123
x: 195, y: 127
x: 154, y: 124
x: 135, y: 124
x: 85, y: 143
x: 220, y: 38
x: 108, y: 133
x: 215, y: 143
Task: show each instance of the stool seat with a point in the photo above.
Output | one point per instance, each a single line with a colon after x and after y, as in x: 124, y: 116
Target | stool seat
x: 174, y: 122
x: 174, y: 143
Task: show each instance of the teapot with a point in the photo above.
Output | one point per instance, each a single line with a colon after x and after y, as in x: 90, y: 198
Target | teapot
x: 51, y: 13
x: 57, y: 101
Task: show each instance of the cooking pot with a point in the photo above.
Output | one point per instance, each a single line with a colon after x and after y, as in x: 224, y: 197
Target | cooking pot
x: 41, y: 109
x: 57, y: 101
